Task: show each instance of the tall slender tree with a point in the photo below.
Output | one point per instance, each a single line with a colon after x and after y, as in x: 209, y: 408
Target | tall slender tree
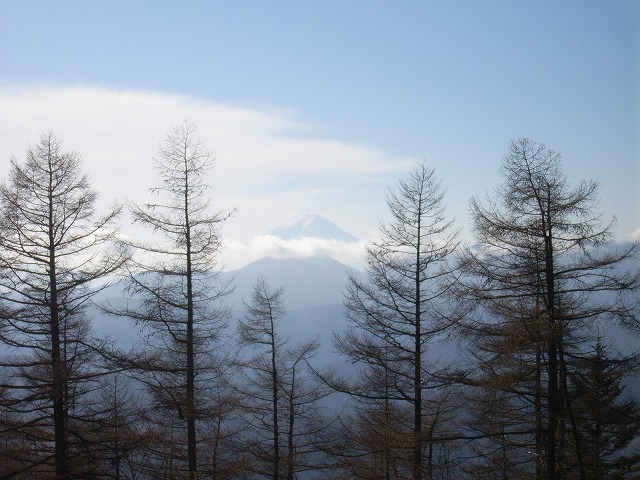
x: 540, y: 274
x: 258, y: 331
x: 283, y: 421
x: 398, y: 309
x: 54, y: 256
x: 173, y: 279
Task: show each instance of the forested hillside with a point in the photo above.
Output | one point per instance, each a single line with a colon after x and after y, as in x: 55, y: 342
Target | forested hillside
x: 513, y: 356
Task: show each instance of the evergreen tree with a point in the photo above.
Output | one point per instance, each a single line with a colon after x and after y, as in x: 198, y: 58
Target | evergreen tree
x: 608, y: 422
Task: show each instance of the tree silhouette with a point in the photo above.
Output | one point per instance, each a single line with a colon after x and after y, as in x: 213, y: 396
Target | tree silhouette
x: 173, y: 280
x: 539, y: 275
x: 54, y: 256
x: 283, y: 420
x: 395, y: 312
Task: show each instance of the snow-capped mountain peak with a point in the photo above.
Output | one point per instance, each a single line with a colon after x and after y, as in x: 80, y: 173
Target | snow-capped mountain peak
x: 311, y: 225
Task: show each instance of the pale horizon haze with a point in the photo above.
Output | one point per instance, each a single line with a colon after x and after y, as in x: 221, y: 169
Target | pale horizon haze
x: 319, y: 107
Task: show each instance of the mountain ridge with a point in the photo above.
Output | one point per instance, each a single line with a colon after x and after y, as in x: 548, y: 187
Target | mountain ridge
x: 307, y: 282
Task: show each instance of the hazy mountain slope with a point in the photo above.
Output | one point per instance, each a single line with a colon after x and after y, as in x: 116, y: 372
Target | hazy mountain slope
x: 314, y: 293
x: 307, y: 282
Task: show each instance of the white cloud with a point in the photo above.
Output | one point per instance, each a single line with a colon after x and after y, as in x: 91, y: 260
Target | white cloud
x: 264, y: 165
x: 237, y: 254
x: 630, y: 236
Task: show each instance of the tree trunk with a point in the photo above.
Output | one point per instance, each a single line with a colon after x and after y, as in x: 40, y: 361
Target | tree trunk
x: 191, y: 420
x: 574, y: 426
x: 538, y: 413
x: 552, y: 340
x: 58, y: 376
x: 290, y: 448
x: 60, y: 437
x: 274, y: 379
x: 417, y: 403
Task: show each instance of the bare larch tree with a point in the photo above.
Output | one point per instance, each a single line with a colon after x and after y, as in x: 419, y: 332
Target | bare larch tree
x: 175, y: 292
x: 54, y: 256
x: 397, y: 310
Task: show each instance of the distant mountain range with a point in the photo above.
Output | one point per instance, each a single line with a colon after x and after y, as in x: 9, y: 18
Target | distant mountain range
x: 313, y: 286
x: 311, y: 225
x: 314, y: 289
x: 313, y: 296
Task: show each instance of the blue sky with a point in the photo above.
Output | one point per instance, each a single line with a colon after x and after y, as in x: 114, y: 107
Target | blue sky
x: 315, y: 107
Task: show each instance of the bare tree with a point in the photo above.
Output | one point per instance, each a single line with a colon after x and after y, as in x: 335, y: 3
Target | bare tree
x: 542, y: 281
x: 175, y: 290
x: 398, y: 309
x: 283, y: 417
x: 121, y: 435
x: 54, y: 257
x: 258, y: 331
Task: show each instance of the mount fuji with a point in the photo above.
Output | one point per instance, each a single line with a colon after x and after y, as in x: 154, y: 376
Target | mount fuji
x: 311, y: 225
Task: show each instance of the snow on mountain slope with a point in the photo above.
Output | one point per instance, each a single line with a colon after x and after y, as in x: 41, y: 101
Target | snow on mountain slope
x: 313, y: 225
